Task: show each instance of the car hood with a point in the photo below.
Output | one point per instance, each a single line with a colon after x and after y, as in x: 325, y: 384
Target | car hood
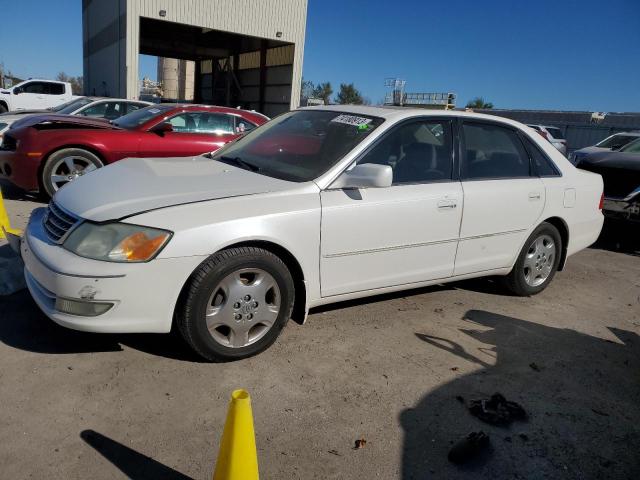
x: 64, y: 121
x: 607, y: 159
x: 138, y: 185
x: 22, y: 113
x: 593, y: 149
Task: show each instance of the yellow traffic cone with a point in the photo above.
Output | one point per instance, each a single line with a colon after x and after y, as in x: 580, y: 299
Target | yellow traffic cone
x: 5, y: 226
x: 238, y: 458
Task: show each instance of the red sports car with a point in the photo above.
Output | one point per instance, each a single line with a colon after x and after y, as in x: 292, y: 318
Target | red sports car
x: 46, y: 151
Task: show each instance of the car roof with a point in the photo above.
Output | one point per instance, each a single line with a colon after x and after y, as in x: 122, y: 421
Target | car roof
x: 630, y: 134
x: 100, y: 99
x: 198, y: 106
x: 398, y: 113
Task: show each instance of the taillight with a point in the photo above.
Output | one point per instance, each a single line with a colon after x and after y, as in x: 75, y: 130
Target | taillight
x: 601, y: 202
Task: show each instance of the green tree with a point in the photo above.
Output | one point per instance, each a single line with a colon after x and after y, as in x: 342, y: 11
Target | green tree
x: 323, y: 91
x: 479, y: 102
x: 77, y: 85
x: 307, y: 89
x: 349, y: 94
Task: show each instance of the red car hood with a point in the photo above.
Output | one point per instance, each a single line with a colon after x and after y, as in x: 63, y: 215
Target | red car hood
x: 64, y: 120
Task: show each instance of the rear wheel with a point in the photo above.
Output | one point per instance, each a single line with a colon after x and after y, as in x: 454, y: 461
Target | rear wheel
x: 236, y: 304
x: 66, y: 165
x: 3, y: 108
x: 537, y: 263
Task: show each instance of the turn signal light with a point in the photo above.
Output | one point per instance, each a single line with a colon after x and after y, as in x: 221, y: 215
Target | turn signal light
x: 139, y: 247
x: 601, y: 202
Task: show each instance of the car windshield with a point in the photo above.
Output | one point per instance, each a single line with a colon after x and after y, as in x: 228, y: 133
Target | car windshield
x: 133, y: 120
x: 616, y: 141
x: 633, y: 147
x: 72, y: 106
x: 299, y: 146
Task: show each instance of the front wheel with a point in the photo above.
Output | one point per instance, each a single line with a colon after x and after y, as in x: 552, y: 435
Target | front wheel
x: 66, y: 165
x: 537, y: 263
x: 236, y: 304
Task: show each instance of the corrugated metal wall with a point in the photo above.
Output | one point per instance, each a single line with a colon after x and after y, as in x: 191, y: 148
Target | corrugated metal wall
x: 257, y: 18
x: 579, y: 128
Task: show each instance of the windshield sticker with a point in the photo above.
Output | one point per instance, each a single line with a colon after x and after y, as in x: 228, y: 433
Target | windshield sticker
x: 360, y: 122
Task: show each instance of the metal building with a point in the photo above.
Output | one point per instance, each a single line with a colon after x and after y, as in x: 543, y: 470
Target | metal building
x: 247, y: 52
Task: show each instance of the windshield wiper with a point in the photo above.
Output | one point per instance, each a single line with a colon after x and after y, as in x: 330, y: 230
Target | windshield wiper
x: 240, y: 163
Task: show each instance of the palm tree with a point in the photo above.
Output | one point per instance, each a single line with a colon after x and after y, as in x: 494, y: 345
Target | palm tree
x: 479, y: 102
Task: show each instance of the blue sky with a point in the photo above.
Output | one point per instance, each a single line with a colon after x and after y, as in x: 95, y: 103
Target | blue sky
x: 552, y: 54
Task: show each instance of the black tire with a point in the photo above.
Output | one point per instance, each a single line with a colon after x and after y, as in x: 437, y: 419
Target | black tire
x: 516, y: 280
x: 195, y: 300
x: 3, y: 108
x: 83, y: 157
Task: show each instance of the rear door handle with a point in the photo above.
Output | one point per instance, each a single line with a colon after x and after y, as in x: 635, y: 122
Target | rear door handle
x: 447, y: 204
x: 534, y: 195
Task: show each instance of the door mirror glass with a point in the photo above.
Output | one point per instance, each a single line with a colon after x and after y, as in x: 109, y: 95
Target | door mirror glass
x: 365, y: 175
x: 162, y: 128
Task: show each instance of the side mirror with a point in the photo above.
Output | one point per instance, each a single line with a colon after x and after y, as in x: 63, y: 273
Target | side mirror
x: 365, y: 175
x: 17, y: 90
x: 162, y: 128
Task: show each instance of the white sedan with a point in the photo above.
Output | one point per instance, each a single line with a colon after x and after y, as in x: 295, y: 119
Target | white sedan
x: 319, y: 205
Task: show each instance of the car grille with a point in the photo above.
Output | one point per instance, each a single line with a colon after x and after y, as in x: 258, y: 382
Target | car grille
x: 618, y: 183
x: 57, y: 223
x: 8, y: 143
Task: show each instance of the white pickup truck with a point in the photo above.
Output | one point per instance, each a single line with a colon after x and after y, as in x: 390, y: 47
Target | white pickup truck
x: 35, y: 94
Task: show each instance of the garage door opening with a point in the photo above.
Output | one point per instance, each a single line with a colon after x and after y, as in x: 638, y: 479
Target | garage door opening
x: 220, y: 68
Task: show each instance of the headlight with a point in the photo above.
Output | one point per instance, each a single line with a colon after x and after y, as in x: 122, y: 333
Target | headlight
x: 116, y: 242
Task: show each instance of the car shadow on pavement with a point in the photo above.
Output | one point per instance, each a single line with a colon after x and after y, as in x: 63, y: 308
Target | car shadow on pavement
x: 622, y: 237
x: 24, y: 326
x: 11, y: 192
x: 581, y: 394
x: 133, y: 464
x: 488, y: 285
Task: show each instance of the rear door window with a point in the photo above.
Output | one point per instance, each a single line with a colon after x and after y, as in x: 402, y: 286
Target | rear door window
x: 54, y: 89
x: 543, y: 165
x: 493, y: 152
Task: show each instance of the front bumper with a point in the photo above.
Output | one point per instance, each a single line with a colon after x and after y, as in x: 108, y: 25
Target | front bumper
x: 622, y: 209
x: 144, y: 295
x: 20, y: 169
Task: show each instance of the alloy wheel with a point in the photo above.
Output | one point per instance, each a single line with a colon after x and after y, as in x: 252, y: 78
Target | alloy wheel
x: 68, y: 169
x: 539, y: 260
x: 243, y: 307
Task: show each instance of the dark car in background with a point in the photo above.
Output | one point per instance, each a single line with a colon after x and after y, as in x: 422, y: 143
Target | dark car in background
x: 611, y: 143
x: 47, y: 151
x: 620, y: 172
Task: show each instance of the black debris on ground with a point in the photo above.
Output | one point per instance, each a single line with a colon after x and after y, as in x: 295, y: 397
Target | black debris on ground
x: 497, y: 410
